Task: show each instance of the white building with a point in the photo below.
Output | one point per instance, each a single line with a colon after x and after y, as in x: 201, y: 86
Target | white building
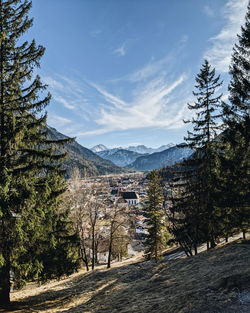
x: 131, y: 197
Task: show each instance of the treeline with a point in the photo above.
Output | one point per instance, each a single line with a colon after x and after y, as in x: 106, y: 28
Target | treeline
x: 209, y: 196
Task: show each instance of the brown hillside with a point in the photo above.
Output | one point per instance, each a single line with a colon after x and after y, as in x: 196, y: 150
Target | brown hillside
x: 217, y: 281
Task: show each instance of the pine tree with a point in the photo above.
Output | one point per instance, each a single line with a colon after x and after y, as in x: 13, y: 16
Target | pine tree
x: 156, y: 222
x: 237, y: 136
x: 186, y: 213
x: 31, y: 180
x: 199, y: 174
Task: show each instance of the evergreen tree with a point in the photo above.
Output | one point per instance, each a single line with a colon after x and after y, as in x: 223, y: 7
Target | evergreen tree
x: 31, y: 180
x: 236, y: 117
x: 156, y: 222
x: 198, y: 214
x: 186, y: 213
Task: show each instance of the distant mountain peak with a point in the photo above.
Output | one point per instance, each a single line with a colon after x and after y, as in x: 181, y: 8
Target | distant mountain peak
x: 141, y: 149
x: 160, y: 159
x: 88, y: 162
x: 126, y: 156
x: 99, y: 148
x: 147, y: 150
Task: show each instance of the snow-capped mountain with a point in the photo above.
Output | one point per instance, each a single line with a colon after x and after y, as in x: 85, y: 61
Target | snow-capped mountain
x: 120, y: 157
x: 143, y: 158
x: 147, y: 150
x: 141, y: 149
x: 99, y: 148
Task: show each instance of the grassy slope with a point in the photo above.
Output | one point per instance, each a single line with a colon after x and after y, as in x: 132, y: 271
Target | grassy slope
x: 214, y: 282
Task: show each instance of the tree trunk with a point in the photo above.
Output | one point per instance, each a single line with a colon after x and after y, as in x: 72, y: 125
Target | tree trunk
x: 84, y: 257
x: 93, y: 249
x: 212, y: 242
x: 110, y: 250
x: 156, y: 253
x: 244, y: 234
x: 96, y: 252
x: 195, y: 249
x: 5, y: 286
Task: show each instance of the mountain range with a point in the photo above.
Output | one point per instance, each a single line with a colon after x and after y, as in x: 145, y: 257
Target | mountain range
x: 158, y: 160
x: 89, y: 163
x: 120, y: 157
x: 138, y: 149
x: 143, y: 158
x: 117, y: 160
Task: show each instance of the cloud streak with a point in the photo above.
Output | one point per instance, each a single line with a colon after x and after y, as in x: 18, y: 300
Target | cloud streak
x: 157, y: 98
x: 150, y: 108
x: 208, y: 11
x: 219, y: 53
x: 58, y: 121
x: 121, y: 51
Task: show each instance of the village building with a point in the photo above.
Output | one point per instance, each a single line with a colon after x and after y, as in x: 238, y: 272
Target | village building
x: 131, y: 197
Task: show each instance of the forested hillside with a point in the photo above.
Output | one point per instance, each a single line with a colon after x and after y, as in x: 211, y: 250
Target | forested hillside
x: 178, y: 286
x: 158, y: 160
x: 88, y: 162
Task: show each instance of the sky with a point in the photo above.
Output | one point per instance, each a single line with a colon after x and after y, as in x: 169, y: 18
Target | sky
x: 121, y: 72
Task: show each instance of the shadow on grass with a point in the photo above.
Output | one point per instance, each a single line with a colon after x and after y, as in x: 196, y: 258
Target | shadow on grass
x: 208, y: 282
x: 88, y: 289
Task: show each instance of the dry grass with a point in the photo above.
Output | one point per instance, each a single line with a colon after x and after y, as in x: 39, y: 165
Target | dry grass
x: 217, y: 281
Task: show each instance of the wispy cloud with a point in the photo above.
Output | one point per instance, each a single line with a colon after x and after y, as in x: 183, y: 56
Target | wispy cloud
x: 155, y: 97
x: 51, y: 82
x: 121, y: 51
x: 58, y: 121
x: 208, y: 11
x: 69, y: 93
x: 108, y: 96
x: 64, y: 102
x: 149, y: 108
x: 220, y: 50
x: 96, y: 32
x: 156, y: 67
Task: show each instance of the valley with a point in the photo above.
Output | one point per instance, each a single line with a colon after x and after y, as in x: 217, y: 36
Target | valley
x: 103, y: 161
x: 125, y: 160
x: 142, y: 158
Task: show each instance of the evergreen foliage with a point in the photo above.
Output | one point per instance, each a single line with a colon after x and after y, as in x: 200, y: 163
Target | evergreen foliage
x: 195, y: 215
x: 235, y: 161
x: 33, y: 231
x: 185, y: 213
x: 153, y: 211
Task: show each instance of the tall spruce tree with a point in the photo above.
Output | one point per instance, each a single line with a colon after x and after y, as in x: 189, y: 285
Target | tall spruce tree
x: 156, y: 222
x: 186, y: 213
x: 236, y: 116
x: 32, y: 229
x: 198, y: 177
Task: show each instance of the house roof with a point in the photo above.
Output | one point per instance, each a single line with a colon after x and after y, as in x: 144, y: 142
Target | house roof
x: 129, y: 195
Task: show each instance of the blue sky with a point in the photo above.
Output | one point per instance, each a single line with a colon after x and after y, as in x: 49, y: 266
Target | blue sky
x: 122, y: 71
